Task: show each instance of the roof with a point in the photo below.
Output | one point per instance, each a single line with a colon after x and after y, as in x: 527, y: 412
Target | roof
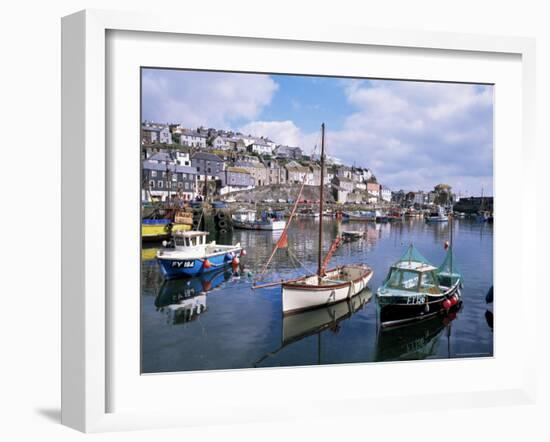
x: 193, y: 133
x: 343, y: 179
x: 206, y: 156
x: 190, y: 233
x: 254, y: 165
x: 149, y: 165
x: 161, y: 156
x: 234, y: 169
x: 186, y: 169
x: 415, y: 266
x: 260, y: 142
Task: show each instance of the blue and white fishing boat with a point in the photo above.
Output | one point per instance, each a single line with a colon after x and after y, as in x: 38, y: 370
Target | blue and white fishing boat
x: 191, y: 255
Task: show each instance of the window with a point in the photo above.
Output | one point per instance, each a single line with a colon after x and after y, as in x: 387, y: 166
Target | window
x: 186, y: 186
x: 168, y: 184
x: 159, y: 184
x: 183, y: 176
x: 175, y: 177
x: 151, y: 183
x: 163, y: 174
x: 180, y: 185
x: 153, y: 174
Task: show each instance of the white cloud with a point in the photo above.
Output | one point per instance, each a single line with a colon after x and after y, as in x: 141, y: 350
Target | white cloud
x: 415, y: 135
x: 204, y: 98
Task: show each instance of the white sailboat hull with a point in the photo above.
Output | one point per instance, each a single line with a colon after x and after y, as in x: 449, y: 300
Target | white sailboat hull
x: 307, y: 293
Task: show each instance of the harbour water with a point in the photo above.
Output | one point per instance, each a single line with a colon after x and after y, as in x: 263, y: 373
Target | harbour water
x: 219, y: 322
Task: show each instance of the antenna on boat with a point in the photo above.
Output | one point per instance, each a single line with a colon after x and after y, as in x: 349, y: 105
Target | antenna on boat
x: 321, y: 197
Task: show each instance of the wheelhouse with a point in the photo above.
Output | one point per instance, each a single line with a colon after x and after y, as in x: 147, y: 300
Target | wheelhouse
x: 190, y: 239
x: 413, y: 277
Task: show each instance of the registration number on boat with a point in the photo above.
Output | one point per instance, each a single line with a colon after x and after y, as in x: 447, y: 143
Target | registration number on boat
x: 416, y: 300
x: 184, y: 264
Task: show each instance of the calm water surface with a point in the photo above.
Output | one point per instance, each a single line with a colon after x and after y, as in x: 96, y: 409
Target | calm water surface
x: 219, y: 322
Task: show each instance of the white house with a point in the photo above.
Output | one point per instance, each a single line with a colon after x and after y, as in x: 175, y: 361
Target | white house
x: 260, y: 146
x: 192, y: 138
x: 155, y: 133
x: 223, y: 143
x: 385, y: 194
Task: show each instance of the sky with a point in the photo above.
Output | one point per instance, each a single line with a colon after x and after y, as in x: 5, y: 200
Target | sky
x: 412, y: 135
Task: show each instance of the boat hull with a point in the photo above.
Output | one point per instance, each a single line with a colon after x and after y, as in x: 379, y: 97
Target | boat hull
x: 275, y: 225
x: 298, y: 296
x: 397, y: 311
x: 174, y: 267
x: 155, y: 232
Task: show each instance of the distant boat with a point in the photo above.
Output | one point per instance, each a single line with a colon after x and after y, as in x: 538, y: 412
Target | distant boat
x: 415, y: 290
x: 191, y: 255
x: 246, y: 219
x: 360, y: 215
x: 308, y: 213
x: 437, y: 216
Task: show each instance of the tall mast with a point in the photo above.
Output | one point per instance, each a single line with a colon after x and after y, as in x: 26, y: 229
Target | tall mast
x: 321, y: 198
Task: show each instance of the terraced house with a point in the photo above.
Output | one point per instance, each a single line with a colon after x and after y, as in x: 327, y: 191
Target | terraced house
x: 165, y: 181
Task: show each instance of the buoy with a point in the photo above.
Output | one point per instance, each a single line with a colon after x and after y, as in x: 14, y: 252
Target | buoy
x: 206, y: 264
x: 206, y: 286
x: 235, y: 261
x: 446, y: 245
x: 454, y: 300
x: 446, y: 304
x: 243, y: 252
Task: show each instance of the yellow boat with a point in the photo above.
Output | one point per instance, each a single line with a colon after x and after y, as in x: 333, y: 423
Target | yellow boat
x: 155, y: 229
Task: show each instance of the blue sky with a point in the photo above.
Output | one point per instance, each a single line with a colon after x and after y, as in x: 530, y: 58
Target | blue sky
x: 412, y: 135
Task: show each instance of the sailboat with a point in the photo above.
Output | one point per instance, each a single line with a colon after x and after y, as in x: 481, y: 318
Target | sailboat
x: 326, y: 286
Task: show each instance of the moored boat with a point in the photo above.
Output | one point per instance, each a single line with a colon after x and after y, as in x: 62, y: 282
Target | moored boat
x: 333, y: 286
x: 437, y: 216
x: 361, y: 215
x: 415, y: 290
x: 191, y: 255
x: 155, y: 229
x: 246, y: 219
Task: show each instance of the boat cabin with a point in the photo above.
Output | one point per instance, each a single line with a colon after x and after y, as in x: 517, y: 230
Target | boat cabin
x: 411, y: 276
x: 245, y: 216
x: 189, y: 239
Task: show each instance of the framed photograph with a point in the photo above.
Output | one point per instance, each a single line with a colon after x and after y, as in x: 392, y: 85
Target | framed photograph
x: 250, y: 212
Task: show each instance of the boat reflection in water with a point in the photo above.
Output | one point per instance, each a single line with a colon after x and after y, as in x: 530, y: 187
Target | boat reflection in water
x: 313, y: 322
x: 183, y: 300
x: 415, y: 341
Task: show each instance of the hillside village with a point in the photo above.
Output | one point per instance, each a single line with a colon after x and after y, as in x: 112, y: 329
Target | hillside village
x: 189, y: 164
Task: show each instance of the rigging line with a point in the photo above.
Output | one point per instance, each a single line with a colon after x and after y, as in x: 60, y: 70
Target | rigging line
x: 285, y: 231
x: 300, y: 262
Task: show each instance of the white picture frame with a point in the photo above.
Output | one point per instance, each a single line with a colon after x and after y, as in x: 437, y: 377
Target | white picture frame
x: 86, y: 203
